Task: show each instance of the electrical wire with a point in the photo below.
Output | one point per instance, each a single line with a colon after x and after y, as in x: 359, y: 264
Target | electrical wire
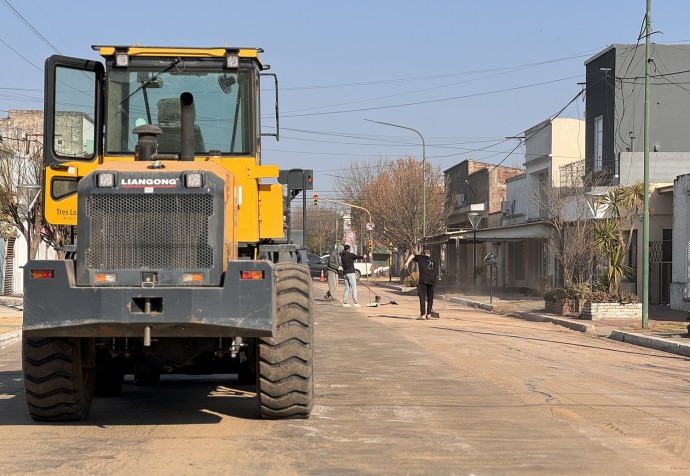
x: 433, y: 101
x: 30, y: 26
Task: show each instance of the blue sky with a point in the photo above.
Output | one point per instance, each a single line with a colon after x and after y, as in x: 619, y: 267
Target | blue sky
x: 465, y: 74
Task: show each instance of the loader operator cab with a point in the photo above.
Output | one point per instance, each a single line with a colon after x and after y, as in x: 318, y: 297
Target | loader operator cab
x: 92, y: 109
x: 145, y: 90
x: 148, y: 91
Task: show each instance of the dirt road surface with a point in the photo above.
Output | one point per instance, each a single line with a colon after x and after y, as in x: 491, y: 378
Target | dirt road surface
x: 470, y: 393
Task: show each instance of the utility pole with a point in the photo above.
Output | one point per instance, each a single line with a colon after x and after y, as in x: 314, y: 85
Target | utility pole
x: 645, y: 213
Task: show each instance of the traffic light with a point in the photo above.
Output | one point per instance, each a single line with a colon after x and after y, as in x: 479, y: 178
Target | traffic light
x: 316, y: 199
x: 390, y: 246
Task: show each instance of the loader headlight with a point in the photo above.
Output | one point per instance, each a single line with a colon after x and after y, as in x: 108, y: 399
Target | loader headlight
x: 105, y: 180
x: 193, y: 180
x: 121, y: 59
x: 232, y: 61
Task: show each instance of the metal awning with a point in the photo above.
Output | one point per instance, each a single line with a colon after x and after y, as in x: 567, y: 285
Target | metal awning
x: 523, y: 231
x: 437, y: 239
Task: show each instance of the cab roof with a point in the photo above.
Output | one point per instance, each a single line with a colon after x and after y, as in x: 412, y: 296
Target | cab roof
x: 183, y: 51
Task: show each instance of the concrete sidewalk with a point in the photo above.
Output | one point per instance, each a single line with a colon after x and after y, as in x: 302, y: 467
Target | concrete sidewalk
x: 666, y: 331
x: 10, y: 318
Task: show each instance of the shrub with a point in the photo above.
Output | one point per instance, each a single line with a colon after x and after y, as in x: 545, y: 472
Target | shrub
x: 605, y: 296
x: 579, y: 291
x: 571, y: 291
x: 602, y: 296
x: 554, y: 294
x: 628, y: 298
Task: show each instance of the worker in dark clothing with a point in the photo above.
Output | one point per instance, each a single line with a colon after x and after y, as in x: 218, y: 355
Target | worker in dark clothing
x: 425, y: 285
x: 334, y: 265
x: 349, y: 275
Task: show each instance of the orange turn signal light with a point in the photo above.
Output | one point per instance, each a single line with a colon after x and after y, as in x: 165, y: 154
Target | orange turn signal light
x: 192, y: 277
x: 101, y: 278
x: 41, y: 274
x: 253, y: 274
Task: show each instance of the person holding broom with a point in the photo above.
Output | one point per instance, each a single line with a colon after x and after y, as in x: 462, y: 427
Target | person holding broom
x: 348, y: 260
x: 425, y: 285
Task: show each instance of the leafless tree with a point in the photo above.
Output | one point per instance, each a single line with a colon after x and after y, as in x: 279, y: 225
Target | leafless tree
x: 321, y: 227
x: 352, y: 185
x: 392, y: 192
x: 20, y: 165
x: 21, y: 151
x: 569, y: 214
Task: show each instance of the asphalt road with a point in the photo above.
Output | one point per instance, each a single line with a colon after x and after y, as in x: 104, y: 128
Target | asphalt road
x: 470, y: 393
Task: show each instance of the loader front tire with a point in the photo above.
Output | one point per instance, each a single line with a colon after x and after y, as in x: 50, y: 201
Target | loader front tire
x: 285, y: 384
x: 59, y: 377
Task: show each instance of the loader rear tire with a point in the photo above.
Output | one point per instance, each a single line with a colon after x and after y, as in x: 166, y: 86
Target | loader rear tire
x: 59, y: 377
x: 285, y: 384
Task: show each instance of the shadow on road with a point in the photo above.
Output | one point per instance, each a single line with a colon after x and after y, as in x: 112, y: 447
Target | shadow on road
x: 176, y: 400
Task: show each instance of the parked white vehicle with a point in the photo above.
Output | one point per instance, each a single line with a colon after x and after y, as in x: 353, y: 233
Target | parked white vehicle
x: 361, y: 268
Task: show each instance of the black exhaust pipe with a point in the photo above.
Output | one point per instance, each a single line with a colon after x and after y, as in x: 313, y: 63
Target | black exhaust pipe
x: 188, y: 117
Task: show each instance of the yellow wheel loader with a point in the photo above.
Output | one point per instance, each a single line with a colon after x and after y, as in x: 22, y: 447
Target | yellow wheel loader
x: 177, y: 260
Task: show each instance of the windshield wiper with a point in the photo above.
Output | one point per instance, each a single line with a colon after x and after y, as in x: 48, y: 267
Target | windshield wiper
x: 152, y: 79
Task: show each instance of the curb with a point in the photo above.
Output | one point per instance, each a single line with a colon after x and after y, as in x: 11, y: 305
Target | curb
x: 575, y: 326
x: 658, y: 343
x: 651, y: 342
x: 467, y: 302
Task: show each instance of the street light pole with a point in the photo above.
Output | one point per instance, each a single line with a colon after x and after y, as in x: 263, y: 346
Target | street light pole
x: 474, y: 218
x: 423, y: 167
x: 29, y: 194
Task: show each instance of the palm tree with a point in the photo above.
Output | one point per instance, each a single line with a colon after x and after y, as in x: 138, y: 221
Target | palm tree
x: 608, y: 239
x: 623, y: 204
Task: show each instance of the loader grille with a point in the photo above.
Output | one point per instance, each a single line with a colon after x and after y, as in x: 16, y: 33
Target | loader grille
x: 150, y: 231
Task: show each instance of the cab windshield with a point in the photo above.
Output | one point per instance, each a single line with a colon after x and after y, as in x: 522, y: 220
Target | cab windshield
x: 148, y: 92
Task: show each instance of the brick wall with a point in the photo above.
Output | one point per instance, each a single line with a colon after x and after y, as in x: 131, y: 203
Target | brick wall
x: 610, y: 310
x: 22, y: 130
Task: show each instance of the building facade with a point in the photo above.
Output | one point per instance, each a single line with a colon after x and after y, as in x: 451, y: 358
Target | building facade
x: 615, y: 147
x: 22, y: 139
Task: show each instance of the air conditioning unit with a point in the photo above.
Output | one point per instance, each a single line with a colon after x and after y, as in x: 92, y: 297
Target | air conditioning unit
x: 507, y: 207
x: 461, y: 200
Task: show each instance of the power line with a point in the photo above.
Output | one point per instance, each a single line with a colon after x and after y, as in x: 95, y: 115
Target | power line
x: 446, y: 75
x: 431, y: 101
x: 19, y: 54
x: 30, y: 26
x: 407, y: 93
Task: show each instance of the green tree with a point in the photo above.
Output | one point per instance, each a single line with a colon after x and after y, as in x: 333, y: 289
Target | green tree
x: 613, y: 236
